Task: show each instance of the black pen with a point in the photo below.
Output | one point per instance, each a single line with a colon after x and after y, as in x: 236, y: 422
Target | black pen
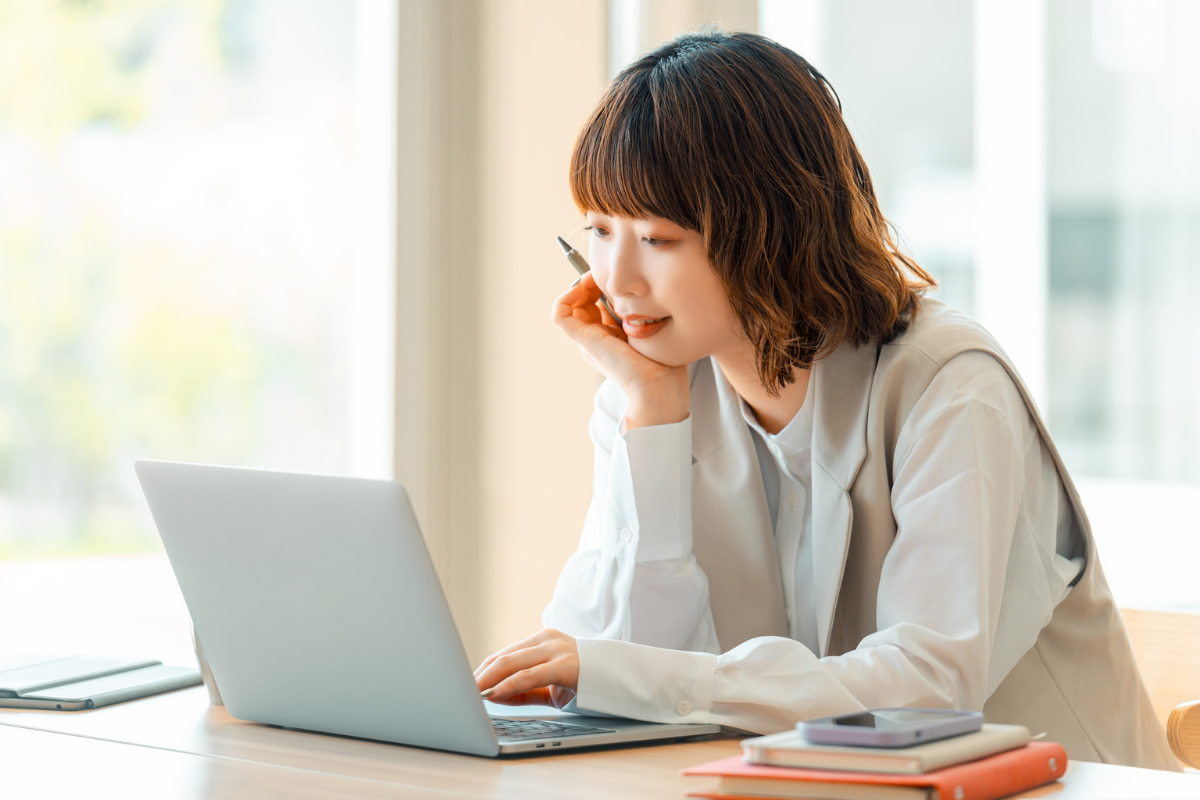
x: 581, y: 266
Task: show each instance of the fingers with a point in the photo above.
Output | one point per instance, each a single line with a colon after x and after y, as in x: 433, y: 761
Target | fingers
x: 528, y: 641
x: 553, y: 696
x: 609, y: 322
x: 548, y: 658
x: 544, y: 696
x: 498, y: 667
x: 540, y: 676
x: 589, y: 293
x: 582, y: 296
x: 581, y: 306
x: 593, y: 297
x: 509, y: 664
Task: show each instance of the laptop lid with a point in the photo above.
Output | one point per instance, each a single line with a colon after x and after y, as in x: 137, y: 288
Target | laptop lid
x: 329, y: 574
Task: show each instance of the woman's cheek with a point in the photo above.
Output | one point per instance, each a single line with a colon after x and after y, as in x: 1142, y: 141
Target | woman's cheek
x: 667, y: 348
x: 600, y: 276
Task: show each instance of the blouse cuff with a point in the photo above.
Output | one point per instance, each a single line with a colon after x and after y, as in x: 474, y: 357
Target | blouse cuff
x: 650, y: 492
x: 646, y: 683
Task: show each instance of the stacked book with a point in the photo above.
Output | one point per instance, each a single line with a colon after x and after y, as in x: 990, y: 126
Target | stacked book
x: 994, y: 762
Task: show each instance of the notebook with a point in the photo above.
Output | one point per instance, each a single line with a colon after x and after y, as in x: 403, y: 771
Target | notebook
x: 75, y: 682
x: 988, y: 778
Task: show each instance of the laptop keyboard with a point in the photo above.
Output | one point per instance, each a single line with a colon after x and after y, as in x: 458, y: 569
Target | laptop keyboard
x: 523, y: 729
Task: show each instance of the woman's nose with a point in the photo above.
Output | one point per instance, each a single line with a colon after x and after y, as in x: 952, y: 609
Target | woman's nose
x: 625, y: 271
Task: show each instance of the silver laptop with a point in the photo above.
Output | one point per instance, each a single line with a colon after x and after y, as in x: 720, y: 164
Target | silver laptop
x: 319, y: 609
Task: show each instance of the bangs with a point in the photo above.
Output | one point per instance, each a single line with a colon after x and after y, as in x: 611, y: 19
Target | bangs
x: 743, y: 141
x: 622, y: 165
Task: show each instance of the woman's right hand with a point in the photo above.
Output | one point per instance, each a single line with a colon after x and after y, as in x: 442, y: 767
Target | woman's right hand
x: 656, y: 394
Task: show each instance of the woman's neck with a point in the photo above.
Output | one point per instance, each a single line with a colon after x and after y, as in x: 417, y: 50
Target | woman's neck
x: 774, y: 412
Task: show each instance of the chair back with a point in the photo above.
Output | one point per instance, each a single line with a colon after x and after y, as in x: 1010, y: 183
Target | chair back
x: 1167, y: 647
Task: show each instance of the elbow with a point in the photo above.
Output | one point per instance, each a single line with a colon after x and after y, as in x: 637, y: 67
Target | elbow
x: 949, y: 683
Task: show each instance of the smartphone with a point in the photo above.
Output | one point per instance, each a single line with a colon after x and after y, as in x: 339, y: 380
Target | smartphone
x: 890, y: 727
x: 581, y: 266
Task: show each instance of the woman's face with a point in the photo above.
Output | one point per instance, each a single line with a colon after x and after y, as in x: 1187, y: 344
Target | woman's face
x: 657, y: 276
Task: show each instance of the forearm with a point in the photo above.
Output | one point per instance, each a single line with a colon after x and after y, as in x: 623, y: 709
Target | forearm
x: 764, y: 685
x: 634, y: 577
x: 661, y: 603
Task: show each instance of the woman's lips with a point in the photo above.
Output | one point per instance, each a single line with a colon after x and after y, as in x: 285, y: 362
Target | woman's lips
x: 639, y: 327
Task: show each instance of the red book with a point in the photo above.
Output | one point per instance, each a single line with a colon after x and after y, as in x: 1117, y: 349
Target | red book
x: 988, y: 778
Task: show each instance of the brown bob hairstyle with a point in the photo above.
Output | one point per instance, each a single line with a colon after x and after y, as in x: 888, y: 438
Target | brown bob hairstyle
x: 740, y: 139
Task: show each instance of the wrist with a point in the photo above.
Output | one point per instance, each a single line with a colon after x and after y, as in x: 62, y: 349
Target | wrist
x: 659, y: 406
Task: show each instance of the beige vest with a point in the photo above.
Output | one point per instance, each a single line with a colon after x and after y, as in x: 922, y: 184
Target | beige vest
x: 1079, y: 683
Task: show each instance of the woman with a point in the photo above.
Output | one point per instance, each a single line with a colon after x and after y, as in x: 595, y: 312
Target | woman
x: 815, y: 491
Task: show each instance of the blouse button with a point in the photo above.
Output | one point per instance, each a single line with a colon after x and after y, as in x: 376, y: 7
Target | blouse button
x: 682, y: 708
x: 791, y: 499
x: 627, y: 535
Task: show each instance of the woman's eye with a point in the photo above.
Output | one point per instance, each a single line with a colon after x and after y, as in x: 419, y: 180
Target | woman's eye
x: 595, y: 231
x: 655, y: 242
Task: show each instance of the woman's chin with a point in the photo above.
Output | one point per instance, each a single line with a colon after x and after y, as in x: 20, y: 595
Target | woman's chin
x: 661, y: 351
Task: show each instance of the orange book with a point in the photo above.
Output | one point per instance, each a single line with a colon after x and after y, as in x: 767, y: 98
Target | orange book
x: 988, y: 778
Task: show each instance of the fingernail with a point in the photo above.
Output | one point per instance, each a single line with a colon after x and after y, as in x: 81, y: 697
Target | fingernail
x: 487, y: 692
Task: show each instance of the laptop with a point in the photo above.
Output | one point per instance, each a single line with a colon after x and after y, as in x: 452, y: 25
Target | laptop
x: 319, y: 609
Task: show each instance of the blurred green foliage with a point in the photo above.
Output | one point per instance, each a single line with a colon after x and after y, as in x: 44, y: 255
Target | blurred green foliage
x: 64, y: 63
x: 99, y: 363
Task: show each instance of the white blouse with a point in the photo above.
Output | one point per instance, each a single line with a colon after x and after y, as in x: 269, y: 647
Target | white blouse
x: 785, y: 462
x: 969, y: 457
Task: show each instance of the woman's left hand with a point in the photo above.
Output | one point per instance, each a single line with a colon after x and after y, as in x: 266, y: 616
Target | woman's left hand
x: 541, y: 670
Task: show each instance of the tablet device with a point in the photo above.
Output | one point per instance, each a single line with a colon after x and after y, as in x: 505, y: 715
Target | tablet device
x: 75, y: 683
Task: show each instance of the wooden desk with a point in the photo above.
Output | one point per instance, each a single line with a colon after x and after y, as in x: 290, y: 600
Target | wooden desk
x: 42, y: 765
x: 213, y: 755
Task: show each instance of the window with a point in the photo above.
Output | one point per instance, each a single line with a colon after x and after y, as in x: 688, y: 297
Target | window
x: 1042, y: 160
x: 186, y: 268
x: 197, y: 203
x: 1123, y: 189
